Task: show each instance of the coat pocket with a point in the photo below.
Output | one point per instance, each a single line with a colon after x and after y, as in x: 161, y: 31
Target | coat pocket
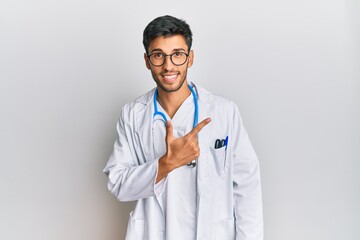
x: 225, y: 229
x: 135, y: 229
x: 219, y: 161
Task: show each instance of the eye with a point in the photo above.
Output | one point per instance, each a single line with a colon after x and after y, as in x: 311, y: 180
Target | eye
x: 158, y: 55
x: 178, y: 54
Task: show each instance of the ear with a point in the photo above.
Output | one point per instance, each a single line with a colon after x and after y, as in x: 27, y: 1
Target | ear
x: 191, y: 59
x: 147, y: 61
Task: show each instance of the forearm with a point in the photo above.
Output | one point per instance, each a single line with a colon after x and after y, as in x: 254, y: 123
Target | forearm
x: 132, y: 183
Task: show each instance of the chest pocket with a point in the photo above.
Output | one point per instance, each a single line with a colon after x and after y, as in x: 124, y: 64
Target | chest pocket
x: 219, y: 160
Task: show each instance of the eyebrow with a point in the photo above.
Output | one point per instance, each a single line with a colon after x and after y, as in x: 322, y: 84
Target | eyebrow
x: 174, y: 50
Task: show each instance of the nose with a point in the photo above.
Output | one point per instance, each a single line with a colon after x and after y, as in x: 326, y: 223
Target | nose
x: 168, y: 65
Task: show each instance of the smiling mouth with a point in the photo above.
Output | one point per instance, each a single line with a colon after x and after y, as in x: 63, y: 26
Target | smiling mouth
x: 170, y: 78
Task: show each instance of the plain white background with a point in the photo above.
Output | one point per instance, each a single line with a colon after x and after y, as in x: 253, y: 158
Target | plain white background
x: 67, y: 67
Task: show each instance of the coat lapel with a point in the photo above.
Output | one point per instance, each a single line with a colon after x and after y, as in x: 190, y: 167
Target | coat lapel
x: 204, y: 199
x: 144, y: 130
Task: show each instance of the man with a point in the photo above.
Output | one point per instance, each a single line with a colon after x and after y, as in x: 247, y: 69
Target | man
x: 183, y: 154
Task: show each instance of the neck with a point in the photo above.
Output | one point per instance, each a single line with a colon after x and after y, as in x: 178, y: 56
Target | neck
x: 171, y: 101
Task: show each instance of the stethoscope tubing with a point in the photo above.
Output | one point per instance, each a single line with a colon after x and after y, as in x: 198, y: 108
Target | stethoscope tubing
x: 196, y: 111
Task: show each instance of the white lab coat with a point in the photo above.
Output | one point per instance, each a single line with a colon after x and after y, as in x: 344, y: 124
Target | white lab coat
x: 228, y: 179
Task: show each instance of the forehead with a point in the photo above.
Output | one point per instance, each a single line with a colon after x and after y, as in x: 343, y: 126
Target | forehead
x: 168, y: 44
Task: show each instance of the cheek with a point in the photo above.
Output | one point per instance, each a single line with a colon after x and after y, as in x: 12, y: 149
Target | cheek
x: 155, y: 73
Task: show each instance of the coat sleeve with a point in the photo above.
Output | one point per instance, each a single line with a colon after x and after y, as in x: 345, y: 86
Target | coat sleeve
x: 246, y: 184
x: 129, y: 179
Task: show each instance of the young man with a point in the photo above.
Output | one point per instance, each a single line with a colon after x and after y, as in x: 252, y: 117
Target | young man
x: 183, y: 154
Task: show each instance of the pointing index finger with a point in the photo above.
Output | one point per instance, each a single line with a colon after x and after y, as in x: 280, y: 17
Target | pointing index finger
x: 198, y: 127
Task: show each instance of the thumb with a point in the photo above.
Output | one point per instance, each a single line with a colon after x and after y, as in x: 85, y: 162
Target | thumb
x: 169, y: 130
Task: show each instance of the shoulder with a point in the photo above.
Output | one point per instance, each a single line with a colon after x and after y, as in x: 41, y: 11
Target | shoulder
x: 215, y: 101
x: 221, y: 109
x: 139, y: 103
x: 131, y: 110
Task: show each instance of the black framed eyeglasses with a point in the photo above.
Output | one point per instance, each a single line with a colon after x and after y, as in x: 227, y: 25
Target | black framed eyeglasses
x: 157, y: 59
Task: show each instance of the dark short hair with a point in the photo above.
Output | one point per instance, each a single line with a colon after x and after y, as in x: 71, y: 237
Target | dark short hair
x: 166, y: 26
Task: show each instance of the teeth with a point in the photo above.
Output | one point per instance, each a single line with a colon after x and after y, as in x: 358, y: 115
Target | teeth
x: 170, y: 77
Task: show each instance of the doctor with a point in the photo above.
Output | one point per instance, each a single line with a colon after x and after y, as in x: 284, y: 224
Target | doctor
x: 183, y: 154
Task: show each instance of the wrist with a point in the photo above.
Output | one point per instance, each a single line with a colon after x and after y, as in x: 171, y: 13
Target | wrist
x: 165, y: 164
x: 164, y: 167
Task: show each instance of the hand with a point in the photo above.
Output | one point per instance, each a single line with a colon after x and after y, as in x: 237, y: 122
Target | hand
x: 179, y: 151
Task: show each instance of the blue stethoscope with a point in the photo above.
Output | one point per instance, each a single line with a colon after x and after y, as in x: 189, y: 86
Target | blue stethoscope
x: 196, y: 113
